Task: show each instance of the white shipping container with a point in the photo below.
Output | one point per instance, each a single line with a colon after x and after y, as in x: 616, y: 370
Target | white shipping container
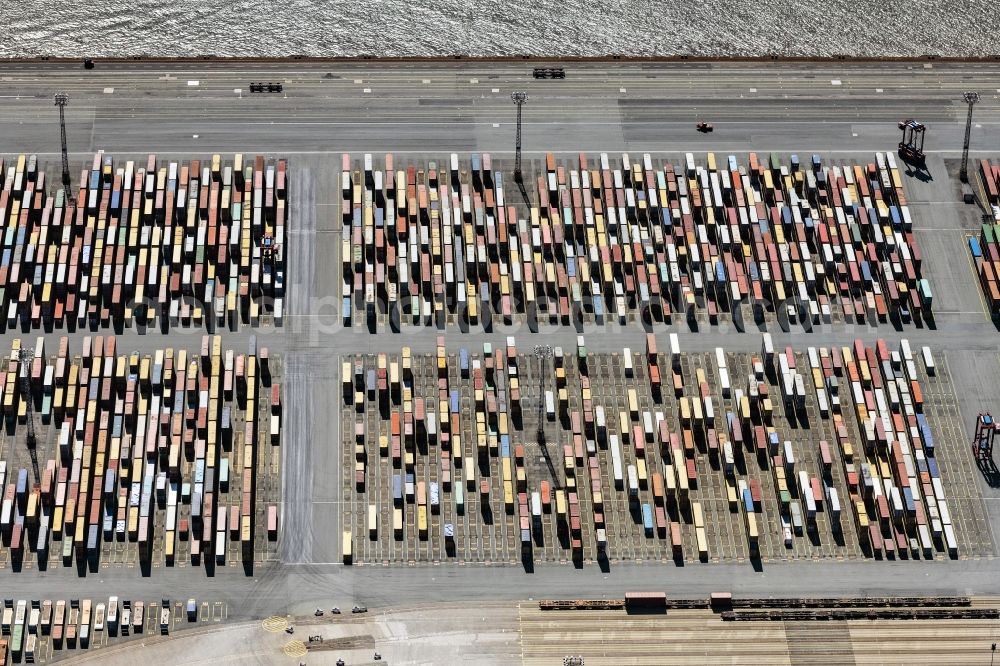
x: 789, y: 456
x: 945, y: 514
x: 834, y: 498
x: 633, y: 481
x: 949, y: 538
x: 805, y: 488
x: 616, y: 461
x: 925, y: 538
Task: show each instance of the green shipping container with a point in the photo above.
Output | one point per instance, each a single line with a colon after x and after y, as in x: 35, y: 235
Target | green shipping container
x: 926, y: 297
x: 856, y: 234
x: 987, y: 236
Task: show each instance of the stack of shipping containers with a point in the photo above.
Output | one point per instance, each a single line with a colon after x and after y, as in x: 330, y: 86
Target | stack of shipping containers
x: 143, y: 449
x: 608, y: 242
x: 163, y: 243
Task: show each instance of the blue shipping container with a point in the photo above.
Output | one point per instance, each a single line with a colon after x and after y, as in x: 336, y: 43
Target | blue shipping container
x: 647, y: 519
x: 932, y: 466
x: 974, y: 246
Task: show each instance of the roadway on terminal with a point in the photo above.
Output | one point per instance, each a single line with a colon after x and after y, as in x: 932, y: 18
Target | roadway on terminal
x: 466, y: 107
x: 427, y: 111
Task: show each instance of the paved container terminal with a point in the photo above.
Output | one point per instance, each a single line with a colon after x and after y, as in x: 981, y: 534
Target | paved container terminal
x: 686, y: 636
x: 48, y: 630
x: 164, y: 244
x: 628, y: 239
x: 612, y: 109
x: 724, y: 456
x: 141, y: 461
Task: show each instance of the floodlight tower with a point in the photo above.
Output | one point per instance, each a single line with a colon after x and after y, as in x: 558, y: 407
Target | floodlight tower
x: 519, y: 98
x: 61, y: 100
x: 970, y: 98
x: 25, y: 356
x: 543, y: 353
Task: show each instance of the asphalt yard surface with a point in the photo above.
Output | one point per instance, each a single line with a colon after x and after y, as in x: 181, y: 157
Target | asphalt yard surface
x: 425, y: 112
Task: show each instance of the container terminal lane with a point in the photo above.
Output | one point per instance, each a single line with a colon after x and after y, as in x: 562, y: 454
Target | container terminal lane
x: 425, y: 112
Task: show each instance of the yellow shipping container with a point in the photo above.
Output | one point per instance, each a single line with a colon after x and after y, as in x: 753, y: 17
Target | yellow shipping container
x: 702, y: 541
x: 348, y: 547
x: 473, y: 302
x: 744, y: 407
x: 397, y: 522
x: 699, y: 517
x: 422, y: 521
x: 57, y: 519
x: 862, y: 513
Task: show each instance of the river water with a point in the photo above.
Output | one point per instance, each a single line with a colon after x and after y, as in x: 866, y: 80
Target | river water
x: 496, y: 28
